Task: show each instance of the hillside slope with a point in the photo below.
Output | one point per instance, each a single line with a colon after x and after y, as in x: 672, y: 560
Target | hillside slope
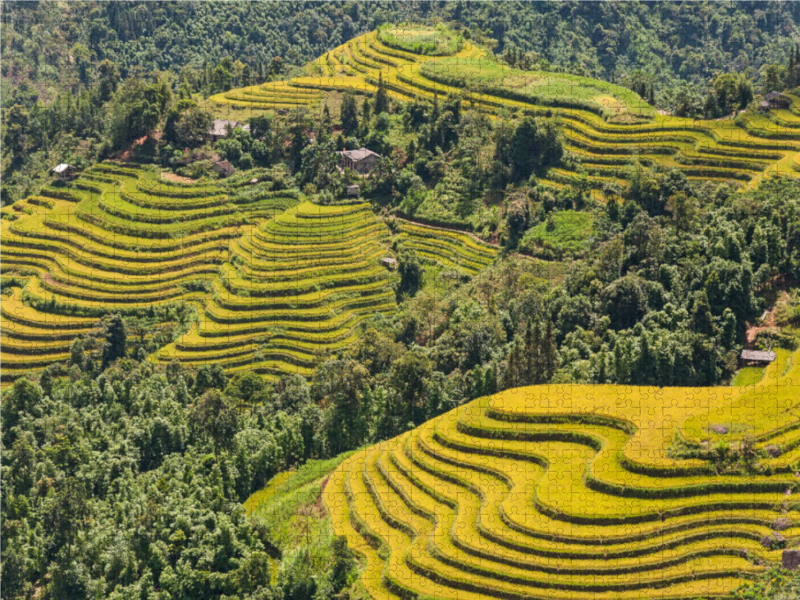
x: 605, y: 125
x: 279, y: 284
x: 274, y: 295
x: 570, y: 492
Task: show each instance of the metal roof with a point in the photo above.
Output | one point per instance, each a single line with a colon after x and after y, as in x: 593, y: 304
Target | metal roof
x: 221, y: 126
x: 224, y: 166
x: 61, y: 168
x: 758, y: 355
x: 360, y: 154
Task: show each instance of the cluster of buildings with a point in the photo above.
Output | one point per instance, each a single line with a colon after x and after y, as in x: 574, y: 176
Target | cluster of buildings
x: 362, y: 160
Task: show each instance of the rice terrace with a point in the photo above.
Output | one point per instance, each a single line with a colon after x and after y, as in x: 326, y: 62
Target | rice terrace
x: 400, y: 300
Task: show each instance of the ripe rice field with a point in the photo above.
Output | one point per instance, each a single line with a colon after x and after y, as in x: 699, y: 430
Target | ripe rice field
x: 450, y: 249
x: 605, y: 125
x: 551, y: 492
x: 279, y: 283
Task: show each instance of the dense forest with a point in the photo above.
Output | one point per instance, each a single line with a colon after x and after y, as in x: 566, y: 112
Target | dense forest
x: 129, y: 484
x: 122, y: 478
x: 672, y: 41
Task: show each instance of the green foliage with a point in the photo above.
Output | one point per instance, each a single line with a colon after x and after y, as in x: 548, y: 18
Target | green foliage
x: 728, y: 92
x: 381, y: 98
x: 344, y: 386
x: 788, y: 311
x: 349, y: 114
x: 136, y: 109
x: 131, y: 501
x: 186, y: 124
x: 531, y: 147
x: 775, y: 584
x: 115, y: 340
x: 564, y: 232
x: 215, y: 419
x: 410, y: 270
x: 438, y: 41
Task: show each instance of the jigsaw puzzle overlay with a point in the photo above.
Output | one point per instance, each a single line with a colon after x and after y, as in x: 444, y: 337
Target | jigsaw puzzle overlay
x: 538, y: 492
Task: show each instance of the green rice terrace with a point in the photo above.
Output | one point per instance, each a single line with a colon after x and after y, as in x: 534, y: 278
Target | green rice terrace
x: 579, y: 492
x: 606, y: 126
x: 279, y: 283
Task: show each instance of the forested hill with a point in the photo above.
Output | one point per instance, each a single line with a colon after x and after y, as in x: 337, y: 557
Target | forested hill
x: 670, y: 40
x: 61, y: 67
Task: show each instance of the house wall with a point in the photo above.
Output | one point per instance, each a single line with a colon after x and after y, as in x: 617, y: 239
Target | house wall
x: 367, y: 164
x: 362, y: 166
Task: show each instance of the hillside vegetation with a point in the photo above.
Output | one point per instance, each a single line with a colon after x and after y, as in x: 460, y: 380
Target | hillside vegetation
x: 271, y: 295
x: 497, y: 355
x: 605, y: 126
x: 293, y: 292
x: 579, y: 492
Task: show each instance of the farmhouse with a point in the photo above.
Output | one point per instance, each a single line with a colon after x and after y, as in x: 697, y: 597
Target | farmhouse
x: 361, y: 161
x: 353, y: 190
x: 221, y: 128
x: 64, y: 172
x: 756, y: 358
x: 224, y: 168
x: 775, y: 100
x: 389, y: 262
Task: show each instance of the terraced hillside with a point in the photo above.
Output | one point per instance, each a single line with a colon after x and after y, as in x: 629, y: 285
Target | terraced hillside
x: 451, y: 249
x: 279, y: 284
x: 605, y: 125
x: 570, y: 492
x: 293, y: 292
x: 119, y: 239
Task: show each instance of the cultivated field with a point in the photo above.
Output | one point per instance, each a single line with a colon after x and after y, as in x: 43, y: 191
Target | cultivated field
x: 570, y: 492
x: 293, y: 292
x: 448, y: 248
x: 605, y: 125
x: 279, y: 284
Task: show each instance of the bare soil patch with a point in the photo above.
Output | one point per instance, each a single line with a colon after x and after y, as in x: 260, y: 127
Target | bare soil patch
x: 177, y: 178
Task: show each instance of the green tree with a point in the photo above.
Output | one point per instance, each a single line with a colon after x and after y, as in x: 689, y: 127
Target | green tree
x: 186, y: 124
x: 15, y: 129
x: 381, y: 97
x: 342, y: 386
x: 108, y: 78
x: 682, y: 209
x: 247, y: 387
x: 116, y: 343
x: 410, y: 270
x: 524, y: 155
x: 23, y: 398
x: 349, y: 114
x: 65, y: 516
x: 624, y: 301
x: 221, y: 79
x: 408, y: 376
x: 209, y: 376
x: 344, y: 564
x: 215, y: 419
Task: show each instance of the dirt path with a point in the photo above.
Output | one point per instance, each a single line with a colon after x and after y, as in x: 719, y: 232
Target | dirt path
x: 767, y: 322
x: 768, y: 318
